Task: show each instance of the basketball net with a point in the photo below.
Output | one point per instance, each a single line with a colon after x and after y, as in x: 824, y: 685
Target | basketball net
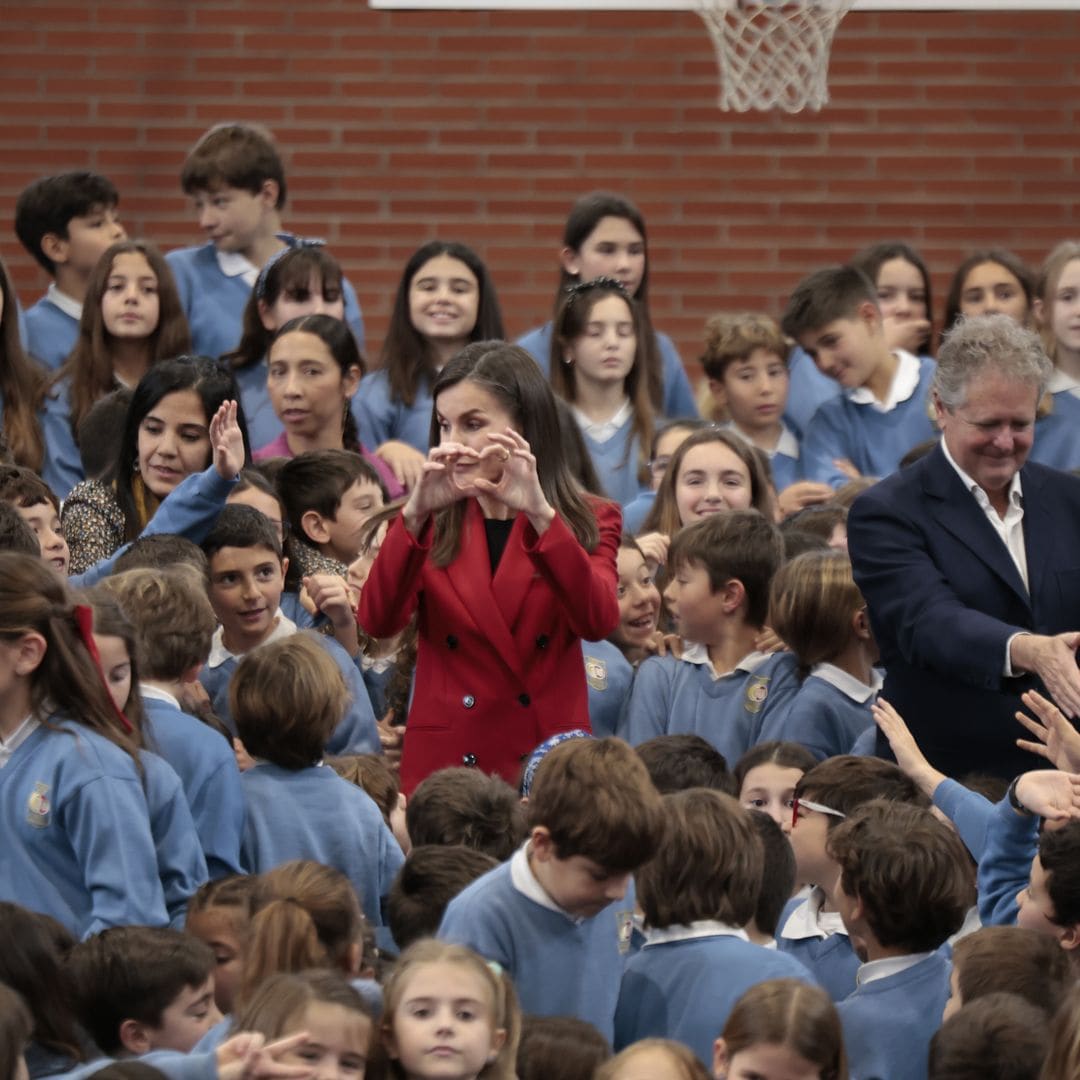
x: 773, y: 55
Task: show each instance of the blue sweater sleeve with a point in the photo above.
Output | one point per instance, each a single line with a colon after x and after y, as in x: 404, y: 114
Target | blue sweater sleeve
x: 969, y: 811
x: 357, y: 733
x: 647, y: 711
x: 824, y: 442
x: 1011, y: 843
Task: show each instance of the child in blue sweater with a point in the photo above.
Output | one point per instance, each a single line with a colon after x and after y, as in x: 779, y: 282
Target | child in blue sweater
x: 888, y: 852
x: 237, y: 183
x: 720, y: 687
x: 698, y: 894
x: 174, y: 626
x: 65, y: 222
x: 598, y: 367
x: 288, y: 697
x: 557, y: 916
x: 810, y: 927
x: 818, y: 612
x: 834, y: 315
x: 247, y: 578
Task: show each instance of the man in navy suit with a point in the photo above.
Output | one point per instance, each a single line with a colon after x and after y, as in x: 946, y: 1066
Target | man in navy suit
x: 969, y: 560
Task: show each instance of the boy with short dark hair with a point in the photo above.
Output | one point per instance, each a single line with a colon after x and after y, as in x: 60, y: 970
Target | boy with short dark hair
x: 65, y: 222
x: 698, y: 893
x: 777, y: 879
x: 678, y: 762
x: 431, y: 876
x: 881, y: 414
x: 236, y: 180
x: 36, y: 504
x: 329, y: 496
x: 174, y: 626
x: 161, y: 551
x: 811, y: 929
x: 720, y: 687
x: 15, y: 535
x: 904, y: 887
x: 999, y: 1037
x: 465, y: 806
x: 139, y: 989
x: 557, y: 916
x: 246, y: 579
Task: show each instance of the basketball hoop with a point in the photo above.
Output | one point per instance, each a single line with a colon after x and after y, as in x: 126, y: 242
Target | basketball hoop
x: 773, y: 55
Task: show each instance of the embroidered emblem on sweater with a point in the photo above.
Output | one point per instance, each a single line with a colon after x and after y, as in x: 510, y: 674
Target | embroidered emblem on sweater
x: 757, y: 690
x: 38, y: 807
x: 596, y: 673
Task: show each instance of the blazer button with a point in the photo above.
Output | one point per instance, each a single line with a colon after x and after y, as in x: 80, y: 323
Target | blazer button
x: 542, y: 641
x: 524, y: 699
x: 468, y: 760
x: 451, y: 642
x: 468, y: 701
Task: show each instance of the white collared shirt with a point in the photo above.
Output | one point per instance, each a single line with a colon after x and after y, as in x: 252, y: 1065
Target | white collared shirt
x: 1060, y: 382
x: 873, y: 970
x: 904, y: 383
x: 847, y: 684
x: 233, y: 264
x: 809, y: 921
x: 525, y: 881
x: 12, y: 743
x: 694, y: 653
x: 605, y: 430
x: 67, y: 304
x: 283, y: 628
x: 155, y: 693
x: 786, y: 444
x: 700, y: 928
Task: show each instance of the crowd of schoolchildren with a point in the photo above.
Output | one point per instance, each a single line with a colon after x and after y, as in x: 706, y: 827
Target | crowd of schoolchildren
x: 209, y: 865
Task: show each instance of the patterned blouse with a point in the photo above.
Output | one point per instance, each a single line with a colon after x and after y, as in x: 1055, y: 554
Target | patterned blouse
x: 93, y: 524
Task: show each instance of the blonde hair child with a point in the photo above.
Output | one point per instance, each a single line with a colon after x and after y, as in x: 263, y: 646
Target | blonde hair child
x: 818, y: 612
x: 653, y: 1059
x: 442, y: 993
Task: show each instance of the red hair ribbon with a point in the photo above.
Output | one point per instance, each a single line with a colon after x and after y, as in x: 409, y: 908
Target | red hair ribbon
x: 84, y: 623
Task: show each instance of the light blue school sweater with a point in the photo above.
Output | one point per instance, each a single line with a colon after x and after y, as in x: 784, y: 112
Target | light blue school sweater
x: 609, y: 676
x: 888, y: 1023
x: 380, y: 418
x: 872, y: 440
x: 50, y: 334
x: 829, y: 957
x: 180, y: 862
x: 1057, y: 436
x: 62, y: 468
x: 170, y: 1063
x: 206, y: 765
x: 676, y: 697
x: 77, y: 843
x: 685, y: 988
x: 356, y: 734
x: 969, y: 811
x: 678, y: 394
x: 262, y: 422
x: 808, y: 390
x: 821, y: 716
x: 314, y: 814
x: 214, y: 302
x: 561, y: 965
x: 1012, y: 841
x: 637, y: 510
x: 616, y: 463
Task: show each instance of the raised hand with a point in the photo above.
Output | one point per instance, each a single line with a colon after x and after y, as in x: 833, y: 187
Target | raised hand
x: 1050, y: 794
x: 438, y: 485
x: 654, y: 546
x: 801, y: 494
x: 405, y: 462
x: 1053, y: 659
x: 906, y: 334
x: 1055, y: 738
x: 227, y: 441
x: 248, y: 1056
x: 904, y: 747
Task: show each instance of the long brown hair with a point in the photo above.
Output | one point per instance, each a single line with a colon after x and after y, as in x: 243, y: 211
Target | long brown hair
x: 513, y: 378
x: 68, y: 682
x: 22, y: 383
x: 89, y: 367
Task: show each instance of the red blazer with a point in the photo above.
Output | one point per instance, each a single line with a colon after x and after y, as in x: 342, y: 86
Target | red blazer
x: 499, y: 666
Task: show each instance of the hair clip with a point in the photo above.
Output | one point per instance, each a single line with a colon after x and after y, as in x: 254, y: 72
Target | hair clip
x: 291, y: 242
x: 580, y: 287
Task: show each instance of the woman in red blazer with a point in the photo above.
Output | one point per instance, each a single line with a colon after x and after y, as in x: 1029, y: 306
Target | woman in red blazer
x: 508, y: 565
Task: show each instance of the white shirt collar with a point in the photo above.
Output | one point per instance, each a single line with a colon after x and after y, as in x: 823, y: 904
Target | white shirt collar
x: 904, y: 384
x: 154, y: 693
x: 786, y: 444
x: 233, y: 264
x: 694, y: 653
x: 700, y: 928
x: 1060, y: 382
x: 524, y: 880
x: 219, y: 654
x: 809, y: 921
x: 67, y: 304
x: 1016, y: 491
x: 847, y: 684
x: 12, y: 743
x: 873, y: 970
x: 602, y: 431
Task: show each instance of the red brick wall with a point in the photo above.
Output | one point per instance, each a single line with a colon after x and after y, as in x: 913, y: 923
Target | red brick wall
x: 949, y: 130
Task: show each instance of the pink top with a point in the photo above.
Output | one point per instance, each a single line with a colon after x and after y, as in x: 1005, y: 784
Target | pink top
x: 280, y: 448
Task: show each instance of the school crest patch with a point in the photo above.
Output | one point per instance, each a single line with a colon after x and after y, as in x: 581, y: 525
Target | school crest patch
x: 596, y: 673
x: 38, y: 807
x: 757, y: 690
x: 624, y: 921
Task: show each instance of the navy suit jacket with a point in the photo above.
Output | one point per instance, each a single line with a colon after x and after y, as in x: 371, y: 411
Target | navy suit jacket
x: 944, y: 598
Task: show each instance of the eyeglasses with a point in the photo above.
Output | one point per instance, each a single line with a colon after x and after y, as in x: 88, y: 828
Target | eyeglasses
x: 806, y: 804
x: 658, y: 466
